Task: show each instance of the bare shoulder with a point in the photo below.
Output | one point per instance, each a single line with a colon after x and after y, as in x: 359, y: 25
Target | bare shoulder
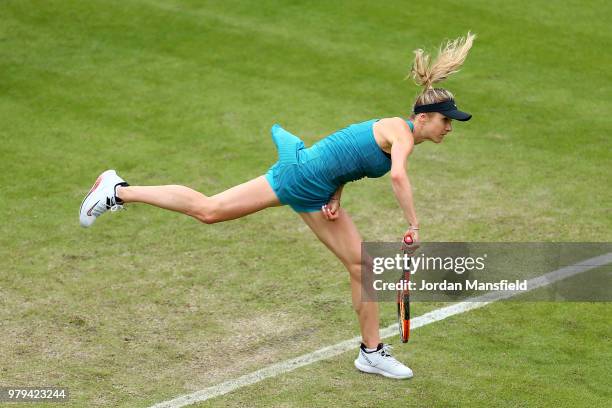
x: 391, y: 128
x: 395, y: 121
x: 388, y: 130
x: 393, y: 125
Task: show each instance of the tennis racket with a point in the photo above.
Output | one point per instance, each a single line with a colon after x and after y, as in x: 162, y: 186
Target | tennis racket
x: 403, y: 300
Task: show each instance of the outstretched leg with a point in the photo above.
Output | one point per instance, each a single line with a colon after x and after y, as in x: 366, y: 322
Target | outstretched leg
x: 343, y: 239
x: 236, y: 202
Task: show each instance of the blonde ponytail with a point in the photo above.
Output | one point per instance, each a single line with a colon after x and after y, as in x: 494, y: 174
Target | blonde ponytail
x: 450, y: 57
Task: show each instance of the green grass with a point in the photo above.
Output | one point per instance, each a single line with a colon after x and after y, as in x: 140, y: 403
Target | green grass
x: 496, y: 356
x: 148, y: 305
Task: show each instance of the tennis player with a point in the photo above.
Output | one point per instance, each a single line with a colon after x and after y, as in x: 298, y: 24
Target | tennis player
x: 310, y: 180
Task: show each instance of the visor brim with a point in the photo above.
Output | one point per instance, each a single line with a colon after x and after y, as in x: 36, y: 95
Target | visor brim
x: 457, y: 115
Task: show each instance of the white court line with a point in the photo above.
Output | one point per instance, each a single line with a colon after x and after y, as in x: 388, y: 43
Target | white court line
x: 337, y: 349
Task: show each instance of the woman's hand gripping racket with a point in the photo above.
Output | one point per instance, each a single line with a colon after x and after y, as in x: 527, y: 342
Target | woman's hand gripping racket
x: 403, y: 294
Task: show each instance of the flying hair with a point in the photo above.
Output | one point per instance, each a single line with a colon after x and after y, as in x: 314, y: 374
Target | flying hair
x: 451, y: 55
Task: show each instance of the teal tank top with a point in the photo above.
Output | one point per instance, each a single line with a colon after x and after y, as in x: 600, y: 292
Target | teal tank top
x: 349, y: 154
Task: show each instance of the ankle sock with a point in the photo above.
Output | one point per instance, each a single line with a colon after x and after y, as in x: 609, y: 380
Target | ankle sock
x: 371, y: 350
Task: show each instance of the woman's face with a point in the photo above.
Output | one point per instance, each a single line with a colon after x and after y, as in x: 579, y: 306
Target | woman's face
x: 435, y: 126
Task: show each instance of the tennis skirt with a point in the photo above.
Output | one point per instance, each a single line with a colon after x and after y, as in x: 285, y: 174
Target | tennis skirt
x: 299, y: 177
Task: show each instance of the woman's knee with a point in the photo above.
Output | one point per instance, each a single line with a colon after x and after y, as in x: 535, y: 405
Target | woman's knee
x: 359, y: 265
x: 355, y: 269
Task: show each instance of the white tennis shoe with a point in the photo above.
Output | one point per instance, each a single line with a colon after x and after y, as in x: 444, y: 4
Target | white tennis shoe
x: 381, y: 362
x: 101, y: 198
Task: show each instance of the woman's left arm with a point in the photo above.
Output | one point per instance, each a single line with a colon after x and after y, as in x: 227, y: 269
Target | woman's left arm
x: 338, y: 193
x: 331, y: 209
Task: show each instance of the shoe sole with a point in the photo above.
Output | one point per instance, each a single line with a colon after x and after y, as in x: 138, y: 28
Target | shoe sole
x: 373, y: 370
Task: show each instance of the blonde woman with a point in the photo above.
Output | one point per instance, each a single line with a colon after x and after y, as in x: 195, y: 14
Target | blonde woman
x: 310, y: 180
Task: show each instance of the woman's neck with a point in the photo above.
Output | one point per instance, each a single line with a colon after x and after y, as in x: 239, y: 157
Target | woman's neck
x: 418, y: 138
